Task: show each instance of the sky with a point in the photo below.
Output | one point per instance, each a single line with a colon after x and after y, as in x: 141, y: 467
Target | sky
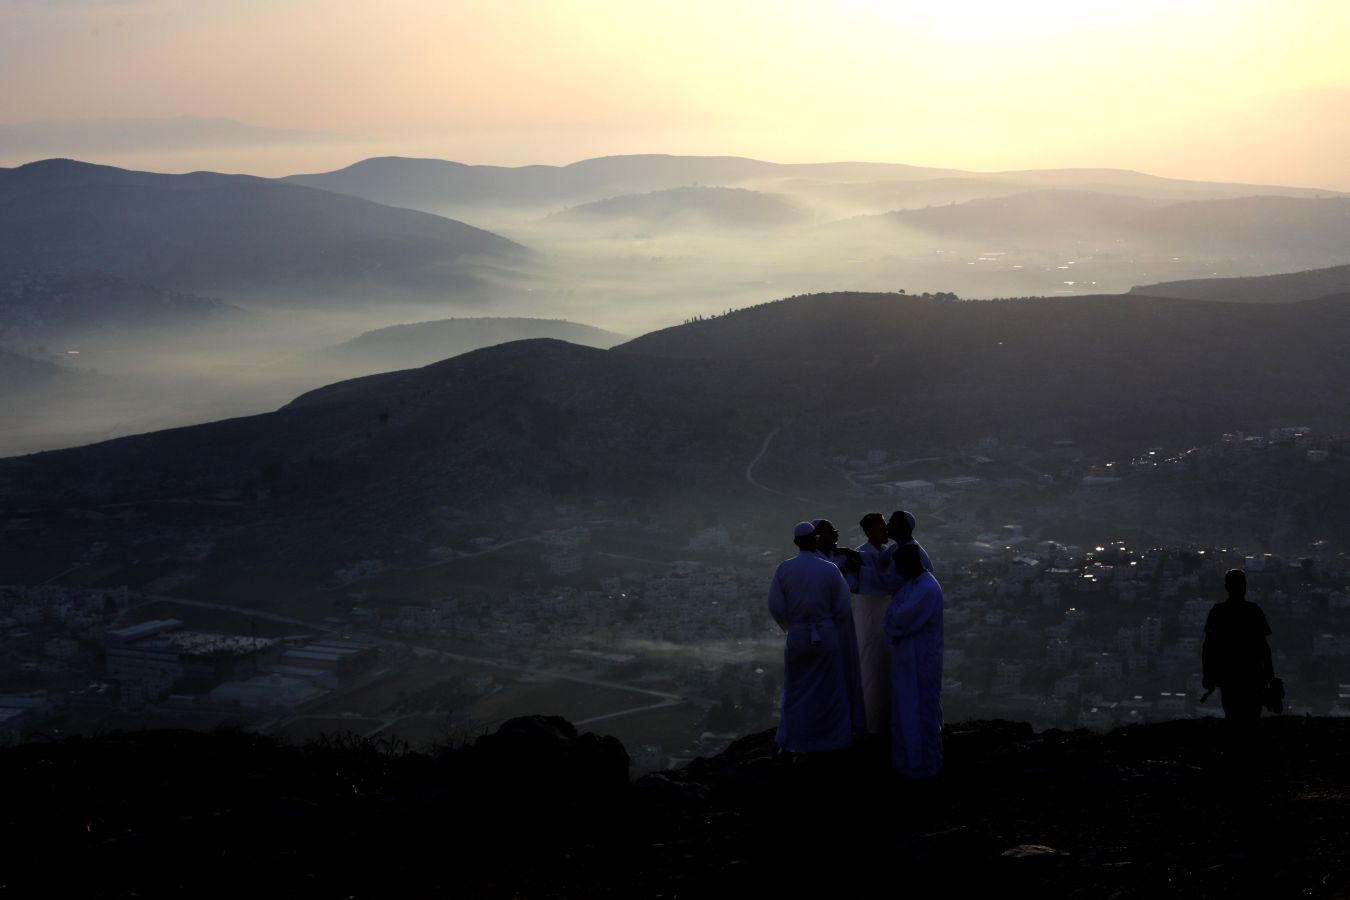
x: 1235, y: 90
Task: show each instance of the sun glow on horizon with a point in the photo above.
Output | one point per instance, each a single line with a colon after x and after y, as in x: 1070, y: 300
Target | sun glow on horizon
x: 1241, y: 90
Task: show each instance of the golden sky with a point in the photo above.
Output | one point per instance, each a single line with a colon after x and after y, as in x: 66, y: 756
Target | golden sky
x: 1233, y: 90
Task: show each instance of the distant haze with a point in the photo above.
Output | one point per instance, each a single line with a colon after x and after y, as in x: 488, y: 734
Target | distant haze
x: 1240, y: 90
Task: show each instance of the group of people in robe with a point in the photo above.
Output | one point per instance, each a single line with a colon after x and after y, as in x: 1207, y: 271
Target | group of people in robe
x: 863, y: 653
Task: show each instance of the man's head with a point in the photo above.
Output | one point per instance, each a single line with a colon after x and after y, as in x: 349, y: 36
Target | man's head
x: 804, y: 536
x: 1235, y: 583
x: 827, y: 536
x: 901, y: 526
x: 874, y: 526
x: 908, y: 563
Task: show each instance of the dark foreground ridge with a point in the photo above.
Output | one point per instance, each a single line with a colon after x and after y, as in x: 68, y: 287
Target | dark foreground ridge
x: 537, y: 810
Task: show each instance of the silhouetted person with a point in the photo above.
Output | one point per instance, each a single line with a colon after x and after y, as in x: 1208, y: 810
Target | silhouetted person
x: 827, y: 545
x: 900, y: 529
x: 876, y: 583
x: 914, y: 625
x: 809, y: 600
x: 1236, y: 660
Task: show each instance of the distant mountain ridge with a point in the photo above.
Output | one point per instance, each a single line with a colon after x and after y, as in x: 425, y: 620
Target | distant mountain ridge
x: 62, y: 174
x: 1298, y: 232
x: 1291, y: 287
x: 682, y: 409
x: 209, y: 232
x: 400, y: 466
x: 1042, y: 211
x: 1030, y: 366
x: 422, y: 343
x: 433, y: 184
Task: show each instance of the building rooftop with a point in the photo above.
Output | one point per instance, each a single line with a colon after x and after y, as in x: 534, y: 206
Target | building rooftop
x: 142, y: 630
x: 200, y: 643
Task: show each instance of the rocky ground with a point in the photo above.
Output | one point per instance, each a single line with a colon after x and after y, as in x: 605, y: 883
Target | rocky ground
x: 537, y: 810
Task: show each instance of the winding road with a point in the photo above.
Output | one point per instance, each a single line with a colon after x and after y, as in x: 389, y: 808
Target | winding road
x: 750, y: 466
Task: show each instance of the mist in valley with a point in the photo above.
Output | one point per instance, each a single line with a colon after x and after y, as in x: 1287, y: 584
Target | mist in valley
x: 623, y: 263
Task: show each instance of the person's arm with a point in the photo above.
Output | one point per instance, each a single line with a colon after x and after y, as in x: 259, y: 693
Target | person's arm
x: 778, y: 603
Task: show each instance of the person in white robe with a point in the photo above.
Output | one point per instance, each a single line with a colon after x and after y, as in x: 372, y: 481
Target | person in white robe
x: 876, y: 583
x: 850, y: 564
x: 809, y: 600
x: 914, y: 625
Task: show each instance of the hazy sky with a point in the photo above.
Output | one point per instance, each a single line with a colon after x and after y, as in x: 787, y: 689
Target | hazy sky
x: 1231, y: 89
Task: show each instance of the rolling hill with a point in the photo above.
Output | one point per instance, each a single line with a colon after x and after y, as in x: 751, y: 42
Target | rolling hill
x: 1291, y: 232
x: 422, y: 343
x: 434, y: 184
x: 1104, y: 368
x: 1299, y: 228
x: 1028, y: 214
x: 692, y: 399
x: 691, y: 207
x: 437, y: 185
x: 498, y: 440
x: 214, y: 233
x: 1290, y: 287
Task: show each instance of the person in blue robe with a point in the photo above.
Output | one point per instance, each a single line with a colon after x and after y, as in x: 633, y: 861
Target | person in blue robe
x: 914, y: 625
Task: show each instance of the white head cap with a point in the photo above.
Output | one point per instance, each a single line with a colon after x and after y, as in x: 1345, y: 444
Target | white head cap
x: 802, y: 529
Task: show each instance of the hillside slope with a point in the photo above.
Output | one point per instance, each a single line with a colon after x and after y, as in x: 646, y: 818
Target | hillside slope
x: 422, y: 343
x: 1290, y: 287
x: 207, y: 232
x: 498, y: 440
x: 36, y: 307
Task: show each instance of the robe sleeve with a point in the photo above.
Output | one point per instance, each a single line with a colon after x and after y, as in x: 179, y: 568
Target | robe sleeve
x: 850, y: 573
x: 909, y: 614
x: 778, y: 602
